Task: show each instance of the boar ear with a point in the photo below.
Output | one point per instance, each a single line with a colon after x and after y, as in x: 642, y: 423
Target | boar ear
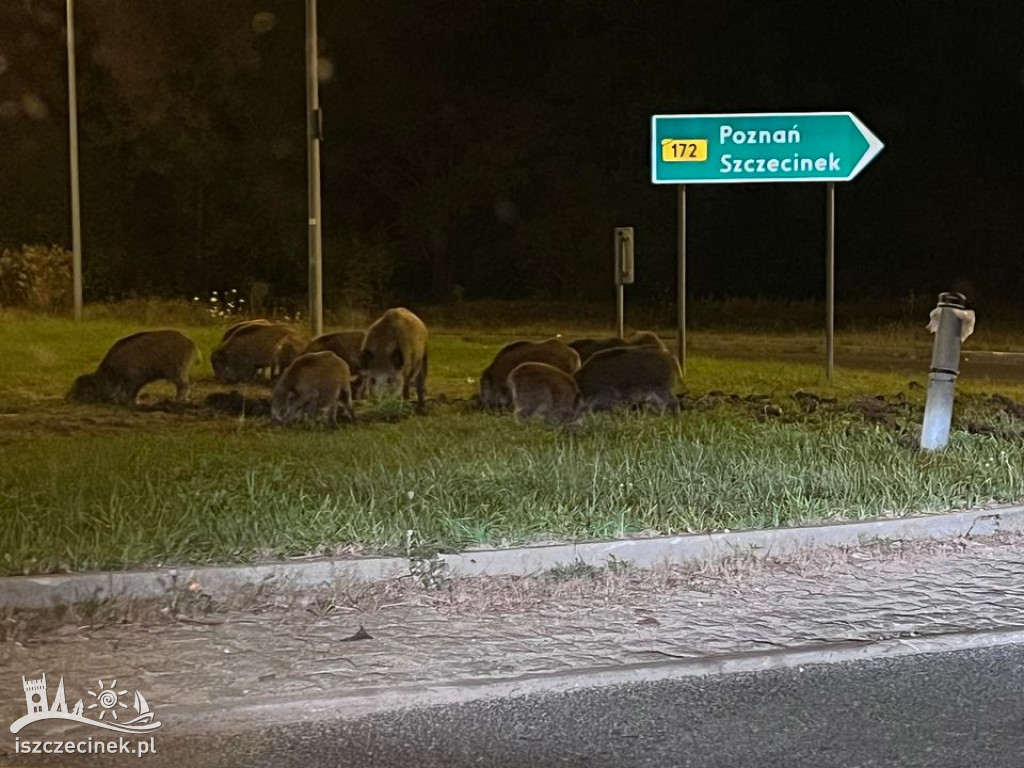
x: 397, y: 359
x: 365, y: 358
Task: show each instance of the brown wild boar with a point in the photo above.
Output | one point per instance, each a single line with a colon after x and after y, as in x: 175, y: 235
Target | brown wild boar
x: 231, y: 330
x: 629, y: 376
x: 314, y: 382
x: 494, y: 390
x: 256, y: 348
x: 542, y: 389
x: 646, y: 339
x: 587, y: 348
x: 135, y: 361
x: 395, y: 353
x: 348, y: 345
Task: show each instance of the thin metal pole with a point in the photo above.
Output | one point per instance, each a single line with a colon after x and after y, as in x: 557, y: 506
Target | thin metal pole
x: 76, y: 214
x: 830, y: 277
x: 316, y: 302
x: 620, y: 311
x: 681, y: 298
x: 945, y: 367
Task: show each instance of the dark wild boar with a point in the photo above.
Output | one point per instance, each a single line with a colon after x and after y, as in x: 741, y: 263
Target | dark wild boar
x: 629, y: 376
x: 135, y: 361
x: 587, y: 348
x: 394, y: 354
x: 252, y: 349
x: 494, y: 390
x: 314, y: 383
x: 348, y: 345
x: 541, y: 389
x: 646, y: 339
x: 231, y: 330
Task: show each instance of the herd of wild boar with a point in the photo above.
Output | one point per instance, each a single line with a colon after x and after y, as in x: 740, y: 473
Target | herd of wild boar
x: 553, y: 379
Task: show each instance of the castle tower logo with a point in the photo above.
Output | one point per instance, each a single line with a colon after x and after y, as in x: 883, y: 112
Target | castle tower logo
x: 110, y: 710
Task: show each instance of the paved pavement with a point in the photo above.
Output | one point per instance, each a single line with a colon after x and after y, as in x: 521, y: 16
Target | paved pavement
x: 288, y: 657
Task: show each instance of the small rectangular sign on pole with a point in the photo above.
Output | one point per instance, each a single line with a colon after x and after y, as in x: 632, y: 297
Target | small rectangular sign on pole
x: 624, y: 274
x: 623, y: 258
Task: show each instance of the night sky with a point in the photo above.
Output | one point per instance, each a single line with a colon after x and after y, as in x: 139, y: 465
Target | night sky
x: 487, y: 148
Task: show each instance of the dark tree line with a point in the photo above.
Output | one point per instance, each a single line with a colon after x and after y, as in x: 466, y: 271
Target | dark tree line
x: 488, y: 148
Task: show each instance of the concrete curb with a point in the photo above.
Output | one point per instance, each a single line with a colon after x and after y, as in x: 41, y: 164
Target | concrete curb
x: 43, y: 591
x: 359, y: 703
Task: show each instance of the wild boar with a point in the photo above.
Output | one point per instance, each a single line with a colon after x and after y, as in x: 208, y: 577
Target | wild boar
x: 348, y: 345
x: 314, y: 382
x: 256, y: 348
x: 236, y: 327
x: 629, y: 376
x: 587, y: 348
x: 542, y: 389
x: 494, y: 389
x: 135, y: 361
x: 646, y: 339
x: 395, y: 353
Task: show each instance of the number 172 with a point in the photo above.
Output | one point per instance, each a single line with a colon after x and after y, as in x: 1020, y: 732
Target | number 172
x: 684, y: 150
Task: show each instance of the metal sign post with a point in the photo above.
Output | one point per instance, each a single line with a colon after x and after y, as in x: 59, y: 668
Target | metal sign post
x: 313, y: 131
x: 681, y: 277
x: 750, y: 147
x: 624, y: 275
x: 76, y: 215
x: 830, y: 277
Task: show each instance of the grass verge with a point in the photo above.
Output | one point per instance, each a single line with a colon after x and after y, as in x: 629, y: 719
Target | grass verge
x: 757, y: 444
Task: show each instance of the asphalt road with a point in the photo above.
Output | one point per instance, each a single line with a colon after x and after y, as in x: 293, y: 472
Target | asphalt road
x: 956, y: 709
x: 975, y: 365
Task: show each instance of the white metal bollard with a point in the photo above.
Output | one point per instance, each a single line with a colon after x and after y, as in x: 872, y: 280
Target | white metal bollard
x: 951, y: 322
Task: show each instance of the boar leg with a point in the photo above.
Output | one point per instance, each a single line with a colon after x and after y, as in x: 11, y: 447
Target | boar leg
x: 131, y: 391
x: 181, y: 387
x: 421, y: 382
x: 669, y: 402
x: 345, y: 399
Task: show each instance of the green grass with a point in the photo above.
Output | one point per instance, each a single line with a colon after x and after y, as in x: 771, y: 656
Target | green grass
x: 42, y: 356
x: 101, y: 487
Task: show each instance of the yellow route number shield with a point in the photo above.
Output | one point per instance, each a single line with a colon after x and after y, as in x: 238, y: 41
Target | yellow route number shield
x: 684, y: 150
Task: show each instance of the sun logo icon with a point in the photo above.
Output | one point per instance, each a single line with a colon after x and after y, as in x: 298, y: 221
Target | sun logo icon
x: 107, y: 698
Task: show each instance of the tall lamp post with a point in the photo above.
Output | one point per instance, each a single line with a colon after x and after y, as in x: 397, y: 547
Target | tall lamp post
x: 313, y: 132
x: 76, y: 215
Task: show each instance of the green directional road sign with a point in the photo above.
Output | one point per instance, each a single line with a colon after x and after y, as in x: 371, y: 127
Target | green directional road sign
x: 743, y: 148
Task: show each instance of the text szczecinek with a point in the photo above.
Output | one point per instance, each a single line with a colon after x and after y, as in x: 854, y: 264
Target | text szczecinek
x: 789, y: 162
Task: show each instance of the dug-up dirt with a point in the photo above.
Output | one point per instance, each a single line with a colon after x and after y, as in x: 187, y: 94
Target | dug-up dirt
x: 216, y: 407
x: 263, y: 645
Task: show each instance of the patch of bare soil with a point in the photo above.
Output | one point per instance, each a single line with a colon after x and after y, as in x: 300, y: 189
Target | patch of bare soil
x: 807, y: 407
x: 977, y: 414
x: 210, y: 403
